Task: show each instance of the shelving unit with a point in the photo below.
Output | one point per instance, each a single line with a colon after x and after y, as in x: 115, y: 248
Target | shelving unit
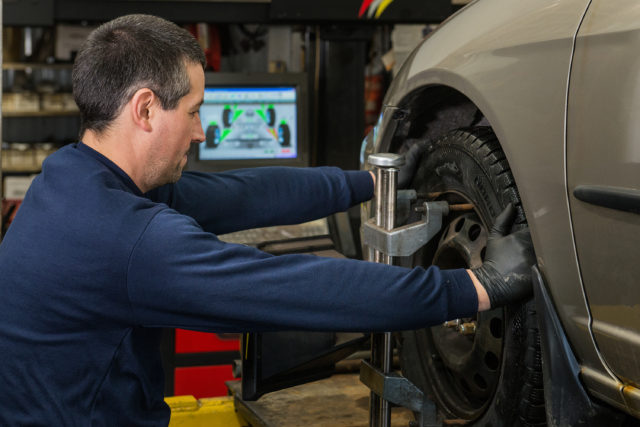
x: 37, y: 94
x: 38, y: 116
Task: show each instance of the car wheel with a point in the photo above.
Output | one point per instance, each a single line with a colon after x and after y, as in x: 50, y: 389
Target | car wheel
x: 284, y: 135
x: 226, y: 117
x: 485, y: 370
x: 212, y: 136
x: 271, y: 116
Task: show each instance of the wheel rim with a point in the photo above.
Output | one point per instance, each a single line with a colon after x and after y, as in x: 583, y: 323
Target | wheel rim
x: 465, y: 366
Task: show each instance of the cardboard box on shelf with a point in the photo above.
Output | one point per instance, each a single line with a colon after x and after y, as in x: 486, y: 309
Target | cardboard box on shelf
x: 23, y: 157
x: 69, y: 38
x: 18, y: 157
x: 20, y: 102
x: 15, y: 188
x: 62, y: 102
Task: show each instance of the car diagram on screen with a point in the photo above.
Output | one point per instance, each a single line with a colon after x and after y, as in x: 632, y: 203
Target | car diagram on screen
x: 248, y: 126
x: 249, y: 122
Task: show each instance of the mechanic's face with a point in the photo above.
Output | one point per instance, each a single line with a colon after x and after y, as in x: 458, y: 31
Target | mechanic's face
x: 177, y: 130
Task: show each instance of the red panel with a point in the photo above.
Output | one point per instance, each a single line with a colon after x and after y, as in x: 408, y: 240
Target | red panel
x: 198, y: 342
x: 202, y: 381
x: 9, y: 210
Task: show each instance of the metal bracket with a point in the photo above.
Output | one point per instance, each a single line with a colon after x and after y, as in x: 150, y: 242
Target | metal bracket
x: 404, y: 198
x: 406, y: 240
x: 400, y: 391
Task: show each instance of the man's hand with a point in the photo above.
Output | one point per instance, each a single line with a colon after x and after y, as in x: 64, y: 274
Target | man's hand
x: 505, y: 273
x: 412, y: 159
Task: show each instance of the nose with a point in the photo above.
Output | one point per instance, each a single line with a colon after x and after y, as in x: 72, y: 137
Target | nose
x: 198, y: 134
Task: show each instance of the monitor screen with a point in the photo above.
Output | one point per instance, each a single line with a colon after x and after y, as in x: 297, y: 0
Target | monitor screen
x: 252, y: 120
x: 249, y: 123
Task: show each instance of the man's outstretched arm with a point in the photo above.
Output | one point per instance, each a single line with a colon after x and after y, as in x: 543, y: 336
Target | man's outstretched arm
x: 259, y: 197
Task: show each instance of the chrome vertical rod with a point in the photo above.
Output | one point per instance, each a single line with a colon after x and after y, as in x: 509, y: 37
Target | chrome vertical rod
x: 386, y: 165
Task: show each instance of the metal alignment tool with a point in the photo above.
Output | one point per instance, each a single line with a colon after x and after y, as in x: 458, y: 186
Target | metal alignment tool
x: 385, y: 241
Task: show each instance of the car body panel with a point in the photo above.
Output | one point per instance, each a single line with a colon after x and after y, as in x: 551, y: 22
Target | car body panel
x: 514, y: 66
x: 603, y: 149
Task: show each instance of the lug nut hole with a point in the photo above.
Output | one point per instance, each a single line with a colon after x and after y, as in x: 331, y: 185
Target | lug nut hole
x: 474, y: 232
x: 480, y: 382
x: 495, y: 326
x: 492, y: 361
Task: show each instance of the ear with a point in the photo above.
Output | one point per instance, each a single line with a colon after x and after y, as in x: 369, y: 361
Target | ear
x: 142, y: 104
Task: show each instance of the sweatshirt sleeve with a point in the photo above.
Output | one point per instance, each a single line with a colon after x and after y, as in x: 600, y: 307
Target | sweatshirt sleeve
x: 259, y: 197
x: 180, y: 276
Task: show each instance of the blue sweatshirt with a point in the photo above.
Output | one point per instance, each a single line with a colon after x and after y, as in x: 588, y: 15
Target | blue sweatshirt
x: 91, y: 269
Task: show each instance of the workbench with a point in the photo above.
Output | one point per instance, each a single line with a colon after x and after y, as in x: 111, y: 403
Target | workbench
x: 338, y: 401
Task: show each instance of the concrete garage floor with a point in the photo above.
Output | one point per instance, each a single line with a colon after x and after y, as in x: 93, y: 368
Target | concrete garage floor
x: 338, y: 401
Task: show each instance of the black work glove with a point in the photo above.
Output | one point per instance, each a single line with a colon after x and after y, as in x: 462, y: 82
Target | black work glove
x: 412, y: 159
x: 506, y: 270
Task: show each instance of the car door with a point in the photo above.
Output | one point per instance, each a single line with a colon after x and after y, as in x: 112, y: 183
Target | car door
x: 603, y: 170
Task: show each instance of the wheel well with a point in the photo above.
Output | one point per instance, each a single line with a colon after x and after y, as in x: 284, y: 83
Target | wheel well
x: 432, y: 112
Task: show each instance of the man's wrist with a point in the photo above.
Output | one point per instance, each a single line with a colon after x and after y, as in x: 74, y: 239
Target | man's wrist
x: 483, y: 298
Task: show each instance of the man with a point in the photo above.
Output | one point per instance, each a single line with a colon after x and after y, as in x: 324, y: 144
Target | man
x: 113, y: 242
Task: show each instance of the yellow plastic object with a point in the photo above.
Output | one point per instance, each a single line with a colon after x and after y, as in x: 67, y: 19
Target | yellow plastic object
x: 186, y: 411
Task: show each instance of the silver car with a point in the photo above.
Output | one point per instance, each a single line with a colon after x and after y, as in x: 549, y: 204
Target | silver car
x: 534, y: 103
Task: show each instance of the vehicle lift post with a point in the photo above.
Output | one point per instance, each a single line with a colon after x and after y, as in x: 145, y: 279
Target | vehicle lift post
x: 385, y: 241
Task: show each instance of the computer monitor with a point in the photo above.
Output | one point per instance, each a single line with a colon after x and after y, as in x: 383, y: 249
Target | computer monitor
x: 252, y: 120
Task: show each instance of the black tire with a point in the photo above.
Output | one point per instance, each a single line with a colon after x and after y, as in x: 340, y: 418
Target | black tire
x: 212, y: 136
x: 271, y: 117
x: 226, y: 117
x: 494, y: 376
x: 284, y: 135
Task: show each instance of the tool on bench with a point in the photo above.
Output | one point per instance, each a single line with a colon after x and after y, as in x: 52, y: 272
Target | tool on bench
x: 384, y: 242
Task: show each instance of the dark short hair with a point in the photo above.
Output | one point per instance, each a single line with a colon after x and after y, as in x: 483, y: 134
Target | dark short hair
x: 127, y: 54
